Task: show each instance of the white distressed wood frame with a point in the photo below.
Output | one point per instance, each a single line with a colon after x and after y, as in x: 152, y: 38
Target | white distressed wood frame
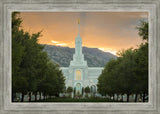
x: 151, y: 6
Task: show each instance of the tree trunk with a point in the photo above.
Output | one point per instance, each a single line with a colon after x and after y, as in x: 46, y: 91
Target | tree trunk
x: 117, y: 97
x: 29, y: 96
x: 135, y: 98
x: 35, y: 96
x: 57, y: 95
x: 127, y: 97
x: 122, y: 98
x: 40, y: 96
x: 22, y: 99
x: 143, y: 97
x: 113, y: 96
x: 44, y: 96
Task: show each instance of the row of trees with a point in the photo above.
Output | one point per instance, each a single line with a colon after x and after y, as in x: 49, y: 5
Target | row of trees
x: 128, y: 74
x: 32, y: 71
x: 86, y: 90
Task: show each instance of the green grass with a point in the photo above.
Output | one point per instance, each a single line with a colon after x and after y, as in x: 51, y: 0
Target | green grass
x: 77, y: 100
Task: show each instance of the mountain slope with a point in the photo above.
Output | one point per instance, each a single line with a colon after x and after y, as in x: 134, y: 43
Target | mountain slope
x: 63, y: 55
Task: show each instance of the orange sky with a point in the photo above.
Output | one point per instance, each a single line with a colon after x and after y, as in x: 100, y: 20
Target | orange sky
x: 108, y: 31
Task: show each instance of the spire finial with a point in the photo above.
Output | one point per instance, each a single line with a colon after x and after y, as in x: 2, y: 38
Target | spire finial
x: 78, y: 25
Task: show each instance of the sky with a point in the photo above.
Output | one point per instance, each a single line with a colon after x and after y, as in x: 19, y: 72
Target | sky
x: 107, y: 31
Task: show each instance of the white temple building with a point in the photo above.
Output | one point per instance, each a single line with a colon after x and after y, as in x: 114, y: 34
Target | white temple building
x: 78, y: 75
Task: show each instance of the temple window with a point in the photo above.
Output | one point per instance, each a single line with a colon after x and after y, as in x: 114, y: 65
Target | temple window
x: 78, y: 75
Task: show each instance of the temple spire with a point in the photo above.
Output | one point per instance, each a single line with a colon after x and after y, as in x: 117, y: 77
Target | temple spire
x: 78, y: 27
x: 78, y: 57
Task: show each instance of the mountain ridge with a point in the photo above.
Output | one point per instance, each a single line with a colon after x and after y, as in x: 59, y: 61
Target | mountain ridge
x: 63, y: 55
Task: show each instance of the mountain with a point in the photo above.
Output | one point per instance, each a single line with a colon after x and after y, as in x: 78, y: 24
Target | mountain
x: 63, y: 55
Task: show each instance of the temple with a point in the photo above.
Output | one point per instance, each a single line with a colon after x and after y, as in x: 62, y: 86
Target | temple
x: 78, y: 75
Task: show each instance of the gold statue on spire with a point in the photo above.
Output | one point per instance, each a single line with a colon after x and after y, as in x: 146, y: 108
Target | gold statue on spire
x: 78, y: 21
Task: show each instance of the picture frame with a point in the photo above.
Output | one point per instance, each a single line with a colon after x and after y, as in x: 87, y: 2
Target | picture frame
x: 150, y: 6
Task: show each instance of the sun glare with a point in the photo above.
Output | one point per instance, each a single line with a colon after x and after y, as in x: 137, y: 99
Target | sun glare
x: 108, y: 50
x: 55, y: 42
x: 62, y: 44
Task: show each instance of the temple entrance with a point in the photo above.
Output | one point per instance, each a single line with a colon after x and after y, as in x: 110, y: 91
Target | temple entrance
x: 78, y: 89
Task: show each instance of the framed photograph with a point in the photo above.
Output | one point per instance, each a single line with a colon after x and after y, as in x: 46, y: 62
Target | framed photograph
x: 80, y: 57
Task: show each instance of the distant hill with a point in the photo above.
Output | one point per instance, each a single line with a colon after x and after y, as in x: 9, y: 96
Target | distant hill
x: 63, y: 55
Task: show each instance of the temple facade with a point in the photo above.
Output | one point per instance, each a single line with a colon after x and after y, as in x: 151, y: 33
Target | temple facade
x: 78, y: 75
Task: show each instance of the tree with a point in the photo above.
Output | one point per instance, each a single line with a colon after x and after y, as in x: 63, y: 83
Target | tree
x: 143, y: 29
x: 30, y: 61
x: 41, y: 66
x: 142, y: 69
x: 19, y: 83
x: 69, y: 90
x: 87, y: 89
x: 25, y: 50
x: 60, y: 80
x: 118, y: 77
x: 142, y: 59
x: 32, y: 71
x: 128, y: 74
x: 52, y: 82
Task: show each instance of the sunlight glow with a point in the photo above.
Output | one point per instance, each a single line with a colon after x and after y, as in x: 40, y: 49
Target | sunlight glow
x: 113, y: 52
x: 55, y: 42
x: 62, y: 44
x: 108, y: 50
x: 102, y: 49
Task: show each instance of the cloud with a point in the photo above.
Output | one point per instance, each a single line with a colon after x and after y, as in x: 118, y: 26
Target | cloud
x: 114, y: 30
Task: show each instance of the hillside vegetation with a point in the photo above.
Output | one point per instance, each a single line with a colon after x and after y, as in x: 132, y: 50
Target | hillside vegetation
x: 63, y: 55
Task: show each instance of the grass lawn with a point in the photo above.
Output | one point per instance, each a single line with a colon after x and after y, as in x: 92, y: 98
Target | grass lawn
x: 94, y: 99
